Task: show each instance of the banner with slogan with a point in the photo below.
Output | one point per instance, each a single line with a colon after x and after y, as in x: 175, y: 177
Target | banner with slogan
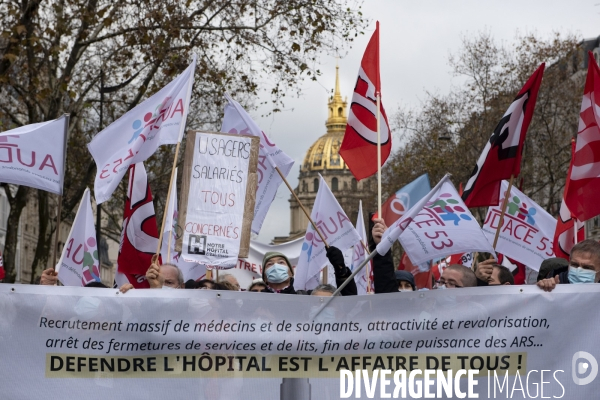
x: 217, y: 197
x: 202, y: 344
x: 527, y: 231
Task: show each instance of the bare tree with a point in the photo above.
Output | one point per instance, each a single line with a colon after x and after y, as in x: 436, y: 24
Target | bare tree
x: 52, y: 55
x: 448, y: 132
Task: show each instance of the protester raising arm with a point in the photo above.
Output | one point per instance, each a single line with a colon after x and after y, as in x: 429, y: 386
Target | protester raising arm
x: 49, y: 277
x: 336, y: 258
x: 484, y: 270
x: 384, y: 277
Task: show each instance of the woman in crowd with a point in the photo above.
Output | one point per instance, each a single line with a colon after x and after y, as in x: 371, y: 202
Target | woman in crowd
x: 278, y: 273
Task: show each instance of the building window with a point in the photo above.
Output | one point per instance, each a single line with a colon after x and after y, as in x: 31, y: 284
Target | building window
x: 304, y: 186
x: 335, y: 185
x: 340, y: 110
x: 354, y: 184
x: 316, y: 185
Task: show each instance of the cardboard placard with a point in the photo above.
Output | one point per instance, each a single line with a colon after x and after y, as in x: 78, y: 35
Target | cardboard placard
x: 211, y: 218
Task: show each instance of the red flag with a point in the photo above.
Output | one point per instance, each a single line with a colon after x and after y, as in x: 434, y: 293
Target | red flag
x: 567, y: 223
x: 582, y: 194
x: 139, y: 238
x: 359, y: 147
x: 501, y: 156
x: 2, y: 274
x: 421, y: 274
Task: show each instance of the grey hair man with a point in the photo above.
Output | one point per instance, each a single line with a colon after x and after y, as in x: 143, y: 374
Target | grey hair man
x: 584, y: 267
x: 325, y: 290
x: 167, y: 276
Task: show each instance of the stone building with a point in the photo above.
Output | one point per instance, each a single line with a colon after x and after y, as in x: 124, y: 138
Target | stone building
x: 323, y: 158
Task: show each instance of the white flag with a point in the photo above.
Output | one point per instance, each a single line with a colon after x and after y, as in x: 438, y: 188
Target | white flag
x: 136, y: 135
x: 442, y: 227
x: 336, y: 228
x: 527, y: 231
x: 79, y: 262
x: 359, y: 254
x: 393, y: 232
x: 34, y: 155
x: 190, y: 270
x: 237, y: 120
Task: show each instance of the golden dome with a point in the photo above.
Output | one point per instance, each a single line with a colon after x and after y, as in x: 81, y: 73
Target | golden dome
x: 324, y: 153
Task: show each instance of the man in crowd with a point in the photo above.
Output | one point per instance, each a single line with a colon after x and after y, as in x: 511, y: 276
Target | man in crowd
x: 230, y: 279
x: 325, y: 290
x: 490, y: 273
x: 166, y: 276
x: 457, y: 276
x: 501, y: 276
x: 584, y: 267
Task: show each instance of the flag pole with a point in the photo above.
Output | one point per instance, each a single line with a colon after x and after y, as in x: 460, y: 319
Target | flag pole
x: 378, y: 156
x: 166, y: 211
x: 504, y: 204
x: 368, y: 272
x: 301, y: 206
x: 169, y: 247
x: 57, y: 232
x: 173, y: 168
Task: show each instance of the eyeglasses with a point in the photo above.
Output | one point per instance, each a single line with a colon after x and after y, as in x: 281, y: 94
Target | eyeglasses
x: 449, y: 284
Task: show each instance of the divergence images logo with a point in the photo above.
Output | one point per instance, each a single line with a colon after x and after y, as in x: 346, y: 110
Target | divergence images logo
x: 581, y: 367
x: 446, y: 209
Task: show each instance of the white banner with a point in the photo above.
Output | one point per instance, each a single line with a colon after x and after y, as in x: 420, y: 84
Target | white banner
x: 63, y: 341
x: 527, y: 231
x: 217, y: 195
x: 237, y: 120
x: 136, y: 135
x: 336, y: 229
x: 34, y: 155
x: 444, y: 226
x: 79, y: 263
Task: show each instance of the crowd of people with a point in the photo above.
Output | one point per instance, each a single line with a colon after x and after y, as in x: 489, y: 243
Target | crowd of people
x: 278, y: 274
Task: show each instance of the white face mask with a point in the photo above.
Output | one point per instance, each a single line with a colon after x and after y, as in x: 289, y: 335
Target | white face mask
x: 167, y: 287
x: 405, y: 290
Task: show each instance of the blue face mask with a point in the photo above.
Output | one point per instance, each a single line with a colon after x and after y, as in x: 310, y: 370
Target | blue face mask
x: 580, y: 275
x: 277, y: 273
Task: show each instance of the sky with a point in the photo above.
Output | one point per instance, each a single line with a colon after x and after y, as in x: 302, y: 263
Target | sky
x: 416, y: 39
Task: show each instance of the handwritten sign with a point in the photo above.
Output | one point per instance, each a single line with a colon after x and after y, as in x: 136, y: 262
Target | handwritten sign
x: 217, y: 197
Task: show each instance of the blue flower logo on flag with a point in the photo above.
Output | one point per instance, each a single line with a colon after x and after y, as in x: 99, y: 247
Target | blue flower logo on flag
x: 449, y: 209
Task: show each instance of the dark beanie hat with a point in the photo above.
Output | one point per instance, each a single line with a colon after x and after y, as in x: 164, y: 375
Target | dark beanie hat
x: 272, y: 254
x: 406, y: 276
x: 549, y: 265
